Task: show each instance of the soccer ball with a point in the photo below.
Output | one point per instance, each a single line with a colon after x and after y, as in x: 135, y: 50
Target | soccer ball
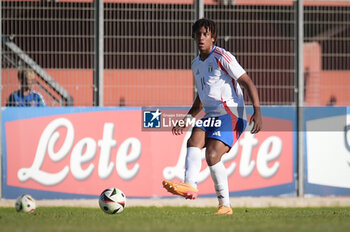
x: 25, y: 203
x: 112, y: 201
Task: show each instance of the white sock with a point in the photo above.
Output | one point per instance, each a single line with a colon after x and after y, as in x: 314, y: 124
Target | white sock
x: 193, y: 165
x: 219, y: 176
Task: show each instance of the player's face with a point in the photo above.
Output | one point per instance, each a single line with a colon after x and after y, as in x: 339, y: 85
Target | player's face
x: 204, y: 40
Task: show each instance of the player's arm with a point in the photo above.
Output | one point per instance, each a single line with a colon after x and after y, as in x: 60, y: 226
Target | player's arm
x: 197, y: 106
x: 236, y: 71
x: 248, y: 84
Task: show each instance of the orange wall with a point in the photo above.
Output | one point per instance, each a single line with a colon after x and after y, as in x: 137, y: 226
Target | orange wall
x: 320, y: 85
x: 169, y: 87
x: 137, y: 87
x: 77, y: 82
x: 148, y: 87
x: 337, y: 84
x: 312, y: 69
x: 9, y: 83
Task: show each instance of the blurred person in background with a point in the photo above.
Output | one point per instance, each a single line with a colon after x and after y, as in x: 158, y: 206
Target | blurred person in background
x: 219, y: 78
x: 26, y: 96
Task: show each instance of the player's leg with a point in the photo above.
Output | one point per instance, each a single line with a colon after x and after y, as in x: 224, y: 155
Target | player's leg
x: 215, y: 149
x: 193, y: 163
x: 219, y: 141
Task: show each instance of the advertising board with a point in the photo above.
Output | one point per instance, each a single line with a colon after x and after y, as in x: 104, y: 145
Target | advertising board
x: 78, y: 152
x: 327, y: 139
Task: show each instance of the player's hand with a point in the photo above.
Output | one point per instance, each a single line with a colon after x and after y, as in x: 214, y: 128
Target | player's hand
x: 256, y: 119
x: 182, y: 124
x: 177, y: 130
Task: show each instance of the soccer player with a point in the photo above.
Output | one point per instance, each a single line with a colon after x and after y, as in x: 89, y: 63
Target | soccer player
x: 218, y: 77
x: 25, y: 96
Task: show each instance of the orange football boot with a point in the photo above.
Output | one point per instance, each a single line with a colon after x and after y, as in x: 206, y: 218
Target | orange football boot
x: 181, y: 189
x: 224, y: 210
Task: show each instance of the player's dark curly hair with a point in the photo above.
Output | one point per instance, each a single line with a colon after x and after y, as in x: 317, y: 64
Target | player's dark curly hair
x: 207, y: 24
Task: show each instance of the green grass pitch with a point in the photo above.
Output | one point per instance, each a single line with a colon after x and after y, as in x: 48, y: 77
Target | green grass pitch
x: 50, y: 219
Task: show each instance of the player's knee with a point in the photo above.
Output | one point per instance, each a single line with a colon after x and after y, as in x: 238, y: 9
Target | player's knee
x: 191, y: 142
x: 211, y: 157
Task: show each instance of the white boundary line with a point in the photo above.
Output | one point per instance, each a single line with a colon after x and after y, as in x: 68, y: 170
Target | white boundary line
x: 239, y: 202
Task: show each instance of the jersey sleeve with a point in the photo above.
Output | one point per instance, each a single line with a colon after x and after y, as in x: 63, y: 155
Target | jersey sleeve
x: 231, y: 65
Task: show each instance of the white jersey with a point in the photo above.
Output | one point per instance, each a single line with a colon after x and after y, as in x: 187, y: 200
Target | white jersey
x: 216, y: 81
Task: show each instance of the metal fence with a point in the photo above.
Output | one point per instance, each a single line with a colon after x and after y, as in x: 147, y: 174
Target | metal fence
x: 148, y: 49
x: 59, y: 38
x: 262, y: 37
x: 327, y: 53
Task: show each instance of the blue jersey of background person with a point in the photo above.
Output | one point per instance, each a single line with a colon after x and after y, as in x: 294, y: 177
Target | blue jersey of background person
x: 25, y: 96
x: 19, y: 99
